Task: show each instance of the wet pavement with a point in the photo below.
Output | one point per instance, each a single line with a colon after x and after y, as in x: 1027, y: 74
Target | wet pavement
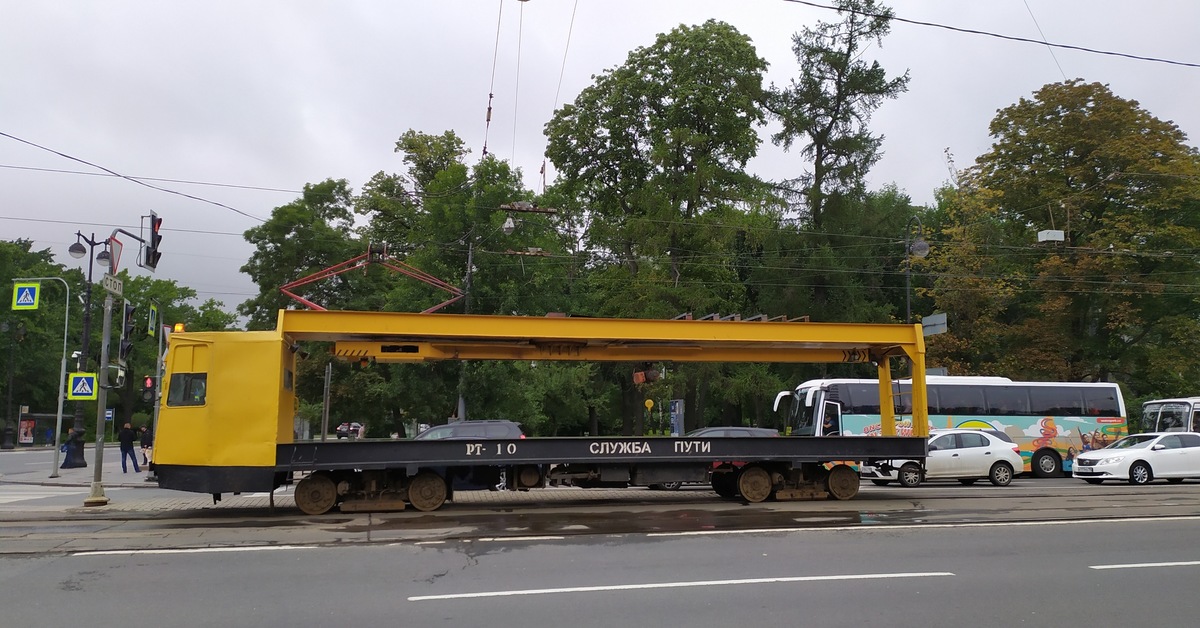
x: 39, y: 514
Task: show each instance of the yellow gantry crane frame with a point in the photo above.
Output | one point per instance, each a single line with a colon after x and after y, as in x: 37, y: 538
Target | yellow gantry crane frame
x: 407, y: 337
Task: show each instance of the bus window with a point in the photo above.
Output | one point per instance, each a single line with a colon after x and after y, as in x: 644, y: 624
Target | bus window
x: 860, y: 398
x: 1100, y: 402
x: 797, y: 412
x: 1195, y: 420
x: 831, y: 422
x: 1055, y: 401
x: 1007, y: 400
x: 1172, y: 418
x: 960, y: 400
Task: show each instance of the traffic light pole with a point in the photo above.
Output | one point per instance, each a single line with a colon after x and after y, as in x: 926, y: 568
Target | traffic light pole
x: 158, y: 375
x: 97, y: 498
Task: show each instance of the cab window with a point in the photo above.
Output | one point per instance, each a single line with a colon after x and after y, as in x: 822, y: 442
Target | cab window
x: 187, y: 389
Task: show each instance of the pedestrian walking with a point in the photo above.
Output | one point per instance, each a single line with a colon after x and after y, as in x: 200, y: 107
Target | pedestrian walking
x: 73, y: 447
x: 127, y: 437
x: 147, y: 443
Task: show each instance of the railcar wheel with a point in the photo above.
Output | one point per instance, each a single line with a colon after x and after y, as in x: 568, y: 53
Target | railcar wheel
x: 754, y: 483
x: 427, y: 491
x: 316, y: 494
x: 724, y: 483
x: 842, y: 482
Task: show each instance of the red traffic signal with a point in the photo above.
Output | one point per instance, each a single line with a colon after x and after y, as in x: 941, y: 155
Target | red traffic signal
x: 152, y: 254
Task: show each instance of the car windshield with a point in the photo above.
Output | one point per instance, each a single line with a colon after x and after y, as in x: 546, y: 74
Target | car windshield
x: 1137, y: 441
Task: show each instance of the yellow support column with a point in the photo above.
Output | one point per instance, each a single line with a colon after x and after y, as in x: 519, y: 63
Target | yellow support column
x: 887, y: 406
x: 920, y: 396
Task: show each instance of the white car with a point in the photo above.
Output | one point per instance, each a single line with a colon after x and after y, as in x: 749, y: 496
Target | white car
x: 1142, y: 458
x: 962, y: 454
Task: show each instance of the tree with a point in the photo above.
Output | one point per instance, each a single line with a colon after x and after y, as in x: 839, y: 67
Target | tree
x: 32, y: 340
x: 653, y: 156
x: 1117, y: 296
x: 830, y: 105
x: 302, y: 237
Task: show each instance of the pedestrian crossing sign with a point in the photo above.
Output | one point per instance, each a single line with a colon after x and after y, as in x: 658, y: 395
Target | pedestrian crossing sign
x: 82, y: 386
x: 26, y: 296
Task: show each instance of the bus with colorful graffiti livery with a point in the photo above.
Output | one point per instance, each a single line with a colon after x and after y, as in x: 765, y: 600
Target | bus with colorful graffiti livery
x: 1051, y: 422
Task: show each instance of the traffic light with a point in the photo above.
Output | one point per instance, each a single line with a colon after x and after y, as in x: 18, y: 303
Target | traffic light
x: 150, y: 260
x: 126, y: 335
x: 148, y: 388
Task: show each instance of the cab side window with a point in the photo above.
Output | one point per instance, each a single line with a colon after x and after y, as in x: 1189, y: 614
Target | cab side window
x: 187, y: 389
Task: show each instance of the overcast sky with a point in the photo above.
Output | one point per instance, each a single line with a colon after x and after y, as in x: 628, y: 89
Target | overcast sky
x: 276, y: 94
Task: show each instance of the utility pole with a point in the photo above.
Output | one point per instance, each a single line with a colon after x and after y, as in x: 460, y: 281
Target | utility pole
x: 462, y: 368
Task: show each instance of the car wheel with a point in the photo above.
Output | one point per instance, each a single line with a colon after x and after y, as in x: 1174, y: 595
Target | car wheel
x: 1175, y: 480
x: 1045, y: 464
x: 1001, y: 474
x: 909, y: 475
x: 881, y: 482
x: 1140, y: 473
x: 967, y: 481
x: 1093, y: 480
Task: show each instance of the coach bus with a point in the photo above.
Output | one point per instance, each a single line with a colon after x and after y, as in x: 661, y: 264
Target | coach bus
x: 1051, y: 422
x: 1181, y: 414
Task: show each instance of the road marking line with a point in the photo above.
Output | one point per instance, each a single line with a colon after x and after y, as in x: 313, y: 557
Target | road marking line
x: 925, y: 526
x: 495, y: 539
x: 194, y: 550
x: 678, y: 585
x: 1188, y: 563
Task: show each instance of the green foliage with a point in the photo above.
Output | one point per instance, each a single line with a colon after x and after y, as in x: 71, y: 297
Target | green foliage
x: 829, y: 106
x: 1118, y: 300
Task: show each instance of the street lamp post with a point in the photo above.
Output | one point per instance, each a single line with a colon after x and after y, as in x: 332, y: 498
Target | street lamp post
x: 918, y: 248
x: 78, y: 250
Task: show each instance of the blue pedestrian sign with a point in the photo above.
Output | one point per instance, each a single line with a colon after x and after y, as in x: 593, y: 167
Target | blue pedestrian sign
x: 82, y: 386
x: 25, y: 296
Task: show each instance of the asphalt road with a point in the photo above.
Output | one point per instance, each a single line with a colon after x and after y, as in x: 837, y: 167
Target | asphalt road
x: 1037, y: 553
x: 1091, y: 573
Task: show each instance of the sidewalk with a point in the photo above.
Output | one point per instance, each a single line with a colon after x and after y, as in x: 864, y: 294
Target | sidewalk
x: 23, y: 470
x: 39, y: 474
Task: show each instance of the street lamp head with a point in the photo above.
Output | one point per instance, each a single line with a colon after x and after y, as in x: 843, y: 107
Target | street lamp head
x: 77, y: 250
x: 103, y: 257
x: 509, y: 226
x: 919, y: 248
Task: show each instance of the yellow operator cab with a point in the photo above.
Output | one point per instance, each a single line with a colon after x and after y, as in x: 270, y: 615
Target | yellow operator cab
x: 224, y: 442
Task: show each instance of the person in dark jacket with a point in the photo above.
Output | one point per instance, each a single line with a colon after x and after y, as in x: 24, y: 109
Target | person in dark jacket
x: 147, y: 443
x: 127, y: 437
x: 73, y: 447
